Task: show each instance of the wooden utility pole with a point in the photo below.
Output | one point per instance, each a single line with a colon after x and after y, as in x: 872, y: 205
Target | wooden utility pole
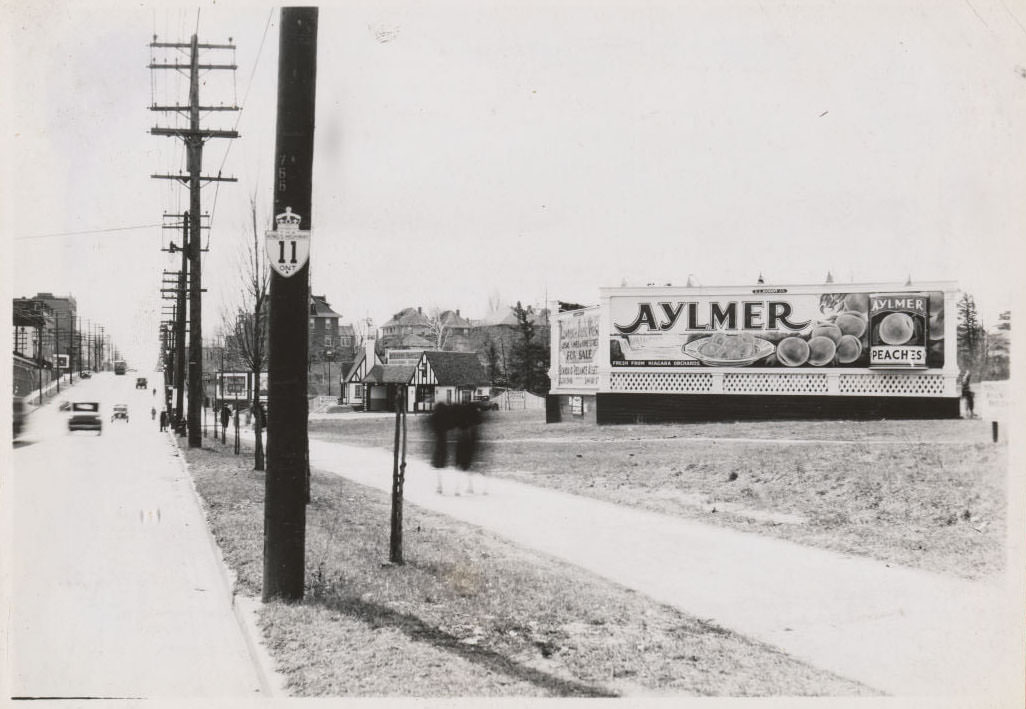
x: 287, y: 491
x: 180, y: 312
x: 193, y: 137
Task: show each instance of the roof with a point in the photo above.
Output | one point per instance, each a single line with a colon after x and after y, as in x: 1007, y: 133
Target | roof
x: 390, y: 374
x: 457, y: 368
x: 357, y: 364
x: 319, y: 307
x: 452, y: 318
x: 408, y: 317
x: 413, y: 341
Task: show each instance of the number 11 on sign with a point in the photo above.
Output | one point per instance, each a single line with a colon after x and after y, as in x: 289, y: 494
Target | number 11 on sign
x: 288, y: 246
x: 281, y: 251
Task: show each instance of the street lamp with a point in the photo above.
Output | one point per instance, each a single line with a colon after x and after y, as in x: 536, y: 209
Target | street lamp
x: 329, y: 356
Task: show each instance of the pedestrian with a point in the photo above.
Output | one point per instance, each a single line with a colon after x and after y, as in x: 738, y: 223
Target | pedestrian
x: 153, y: 413
x: 226, y: 416
x: 967, y: 394
x: 163, y: 419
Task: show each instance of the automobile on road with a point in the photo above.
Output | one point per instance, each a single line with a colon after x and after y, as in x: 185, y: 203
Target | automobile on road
x: 18, y: 415
x: 120, y: 413
x: 85, y: 416
x: 84, y: 374
x: 140, y: 383
x: 486, y: 404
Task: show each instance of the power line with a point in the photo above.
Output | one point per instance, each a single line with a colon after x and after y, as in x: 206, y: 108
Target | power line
x: 89, y: 231
x: 245, y: 98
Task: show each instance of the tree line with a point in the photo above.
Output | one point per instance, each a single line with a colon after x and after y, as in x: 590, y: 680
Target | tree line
x: 985, y: 354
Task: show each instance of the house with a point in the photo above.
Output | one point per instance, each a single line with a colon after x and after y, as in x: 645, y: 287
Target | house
x: 352, y: 385
x: 438, y: 377
x: 409, y: 328
x: 331, y: 346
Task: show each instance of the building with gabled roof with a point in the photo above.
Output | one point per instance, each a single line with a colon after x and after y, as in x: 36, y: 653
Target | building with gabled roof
x: 438, y: 377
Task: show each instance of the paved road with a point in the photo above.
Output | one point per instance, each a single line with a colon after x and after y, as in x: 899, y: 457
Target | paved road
x: 115, y: 589
x: 899, y: 630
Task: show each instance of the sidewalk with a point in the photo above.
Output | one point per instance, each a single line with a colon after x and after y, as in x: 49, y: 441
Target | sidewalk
x: 899, y: 630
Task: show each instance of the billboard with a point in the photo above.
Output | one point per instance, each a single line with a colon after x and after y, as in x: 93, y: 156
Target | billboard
x: 578, y: 346
x: 770, y: 327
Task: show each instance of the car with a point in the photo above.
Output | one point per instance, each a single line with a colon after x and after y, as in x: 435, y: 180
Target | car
x: 140, y: 383
x: 120, y: 412
x: 85, y: 416
x: 84, y: 374
x: 486, y: 404
x: 18, y: 415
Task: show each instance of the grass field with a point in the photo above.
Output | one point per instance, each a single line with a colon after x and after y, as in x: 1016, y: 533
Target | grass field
x: 468, y: 614
x: 928, y: 494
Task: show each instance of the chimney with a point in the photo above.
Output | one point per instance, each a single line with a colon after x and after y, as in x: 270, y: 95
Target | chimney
x: 368, y: 349
x: 418, y: 311
x: 457, y: 312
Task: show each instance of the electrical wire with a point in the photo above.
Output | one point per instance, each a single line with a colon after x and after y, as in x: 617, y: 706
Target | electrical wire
x: 238, y: 118
x: 87, y: 231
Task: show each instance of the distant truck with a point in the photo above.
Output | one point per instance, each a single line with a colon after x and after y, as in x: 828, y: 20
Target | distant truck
x: 120, y: 367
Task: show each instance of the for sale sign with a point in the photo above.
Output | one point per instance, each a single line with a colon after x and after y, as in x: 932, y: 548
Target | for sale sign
x: 898, y: 329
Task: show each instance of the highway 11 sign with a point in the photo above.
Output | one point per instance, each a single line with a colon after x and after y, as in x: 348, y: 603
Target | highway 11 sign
x: 288, y: 248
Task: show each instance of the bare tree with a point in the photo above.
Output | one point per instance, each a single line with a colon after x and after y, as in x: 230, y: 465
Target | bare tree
x: 440, y: 324
x: 249, y: 329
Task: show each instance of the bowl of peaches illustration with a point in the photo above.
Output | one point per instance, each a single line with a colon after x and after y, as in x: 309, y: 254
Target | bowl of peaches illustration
x: 724, y: 349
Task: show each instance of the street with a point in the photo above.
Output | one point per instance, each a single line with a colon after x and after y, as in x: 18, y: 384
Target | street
x: 115, y: 589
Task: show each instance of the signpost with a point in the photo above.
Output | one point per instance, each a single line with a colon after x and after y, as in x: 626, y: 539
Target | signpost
x: 287, y: 481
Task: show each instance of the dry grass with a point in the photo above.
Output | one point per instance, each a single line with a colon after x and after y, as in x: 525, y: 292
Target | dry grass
x: 469, y: 614
x: 928, y: 494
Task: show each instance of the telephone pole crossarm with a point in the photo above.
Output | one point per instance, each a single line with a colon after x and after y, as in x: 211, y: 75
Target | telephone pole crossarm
x: 194, y: 133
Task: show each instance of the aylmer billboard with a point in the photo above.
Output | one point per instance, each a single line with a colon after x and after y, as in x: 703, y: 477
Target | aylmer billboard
x: 769, y: 327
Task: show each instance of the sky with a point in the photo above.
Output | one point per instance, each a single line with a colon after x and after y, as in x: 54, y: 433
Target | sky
x: 532, y: 151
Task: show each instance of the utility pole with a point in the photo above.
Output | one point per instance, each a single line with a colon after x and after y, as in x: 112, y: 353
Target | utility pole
x: 287, y: 482
x: 194, y: 137
x: 57, y: 346
x: 180, y: 291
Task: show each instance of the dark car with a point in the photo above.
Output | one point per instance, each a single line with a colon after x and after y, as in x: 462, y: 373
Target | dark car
x: 84, y: 374
x: 486, y: 404
x: 120, y: 412
x: 19, y: 416
x: 140, y: 383
x: 85, y: 416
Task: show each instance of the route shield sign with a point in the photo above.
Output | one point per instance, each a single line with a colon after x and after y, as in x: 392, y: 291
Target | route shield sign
x: 288, y: 247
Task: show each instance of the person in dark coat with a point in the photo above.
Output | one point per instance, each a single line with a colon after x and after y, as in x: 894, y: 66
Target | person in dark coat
x: 226, y: 417
x: 967, y: 394
x: 163, y: 419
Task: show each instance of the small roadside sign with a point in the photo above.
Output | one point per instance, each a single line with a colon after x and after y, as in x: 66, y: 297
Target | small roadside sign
x: 288, y: 247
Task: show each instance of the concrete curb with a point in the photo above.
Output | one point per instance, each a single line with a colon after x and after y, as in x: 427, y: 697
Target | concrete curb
x: 244, y: 608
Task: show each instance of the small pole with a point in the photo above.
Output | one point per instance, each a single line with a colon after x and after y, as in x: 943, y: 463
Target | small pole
x: 994, y: 431
x: 398, y: 471
x: 236, y: 417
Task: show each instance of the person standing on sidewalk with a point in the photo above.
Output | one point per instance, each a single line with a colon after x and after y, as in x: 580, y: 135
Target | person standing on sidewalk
x: 163, y: 419
x: 967, y: 394
x: 226, y: 416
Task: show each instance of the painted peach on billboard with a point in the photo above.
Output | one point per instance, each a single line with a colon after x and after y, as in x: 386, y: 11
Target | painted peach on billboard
x: 772, y: 328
